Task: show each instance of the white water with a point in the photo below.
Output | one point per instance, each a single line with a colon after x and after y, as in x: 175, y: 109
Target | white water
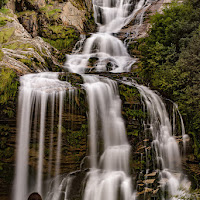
x: 168, y: 158
x: 35, y: 90
x: 109, y: 173
x: 41, y: 142
x: 112, y: 16
x: 110, y: 52
x: 59, y: 142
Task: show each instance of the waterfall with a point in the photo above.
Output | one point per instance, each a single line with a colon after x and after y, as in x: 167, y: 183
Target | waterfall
x: 167, y: 153
x: 109, y: 174
x: 35, y: 90
x: 42, y: 94
x: 110, y: 52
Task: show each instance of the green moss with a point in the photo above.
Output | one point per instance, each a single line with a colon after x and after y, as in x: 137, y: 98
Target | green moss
x: 18, y: 45
x: 5, y: 34
x: 74, y: 137
x: 8, y: 91
x: 60, y: 44
x: 55, y: 13
x: 6, y: 12
x: 133, y: 133
x: 1, y: 55
x: 26, y: 13
x: 196, y: 145
x: 60, y: 37
x: 46, y: 8
x: 50, y: 12
x: 26, y: 46
x: 89, y: 24
x: 58, y: 29
x: 13, y: 45
x: 26, y: 62
x: 4, y: 20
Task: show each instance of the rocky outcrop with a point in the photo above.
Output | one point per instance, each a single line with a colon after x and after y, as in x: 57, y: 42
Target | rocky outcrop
x: 57, y: 22
x: 72, y: 16
x: 21, y: 52
x: 72, y: 13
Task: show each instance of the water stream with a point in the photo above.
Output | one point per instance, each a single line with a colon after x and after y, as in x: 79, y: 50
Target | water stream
x: 109, y: 176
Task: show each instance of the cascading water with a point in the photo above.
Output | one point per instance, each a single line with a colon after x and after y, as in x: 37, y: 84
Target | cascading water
x: 35, y: 90
x: 109, y: 175
x: 167, y: 153
x: 110, y: 52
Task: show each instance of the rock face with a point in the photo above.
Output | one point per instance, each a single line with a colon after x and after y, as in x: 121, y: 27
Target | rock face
x: 21, y: 52
x: 58, y: 23
x: 72, y: 13
x: 75, y: 13
x: 72, y: 16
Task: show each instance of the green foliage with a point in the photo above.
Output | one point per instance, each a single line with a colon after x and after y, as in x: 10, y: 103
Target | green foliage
x: 27, y: 13
x: 7, y: 12
x: 4, y: 10
x: 171, y: 60
x: 2, y: 3
x: 8, y: 91
x: 74, y: 137
x: 19, y: 45
x: 55, y: 13
x: 50, y: 12
x: 1, y: 55
x: 5, y: 150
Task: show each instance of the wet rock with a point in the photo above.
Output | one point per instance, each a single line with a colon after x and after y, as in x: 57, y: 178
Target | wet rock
x: 149, y: 181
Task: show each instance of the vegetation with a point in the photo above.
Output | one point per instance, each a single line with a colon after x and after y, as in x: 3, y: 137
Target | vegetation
x: 170, y: 60
x: 2, y: 3
x: 60, y: 36
x: 8, y: 92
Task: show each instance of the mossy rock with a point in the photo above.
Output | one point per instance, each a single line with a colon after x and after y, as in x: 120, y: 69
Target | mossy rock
x: 50, y: 12
x: 75, y: 79
x: 7, y: 12
x: 8, y: 92
x: 1, y: 55
x: 19, y: 45
x: 4, y: 20
x: 60, y: 37
x: 26, y: 13
x: 5, y: 34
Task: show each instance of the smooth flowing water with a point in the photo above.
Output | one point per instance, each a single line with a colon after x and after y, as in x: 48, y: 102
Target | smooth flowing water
x: 35, y: 90
x: 109, y: 175
x: 110, y: 52
x: 164, y: 143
